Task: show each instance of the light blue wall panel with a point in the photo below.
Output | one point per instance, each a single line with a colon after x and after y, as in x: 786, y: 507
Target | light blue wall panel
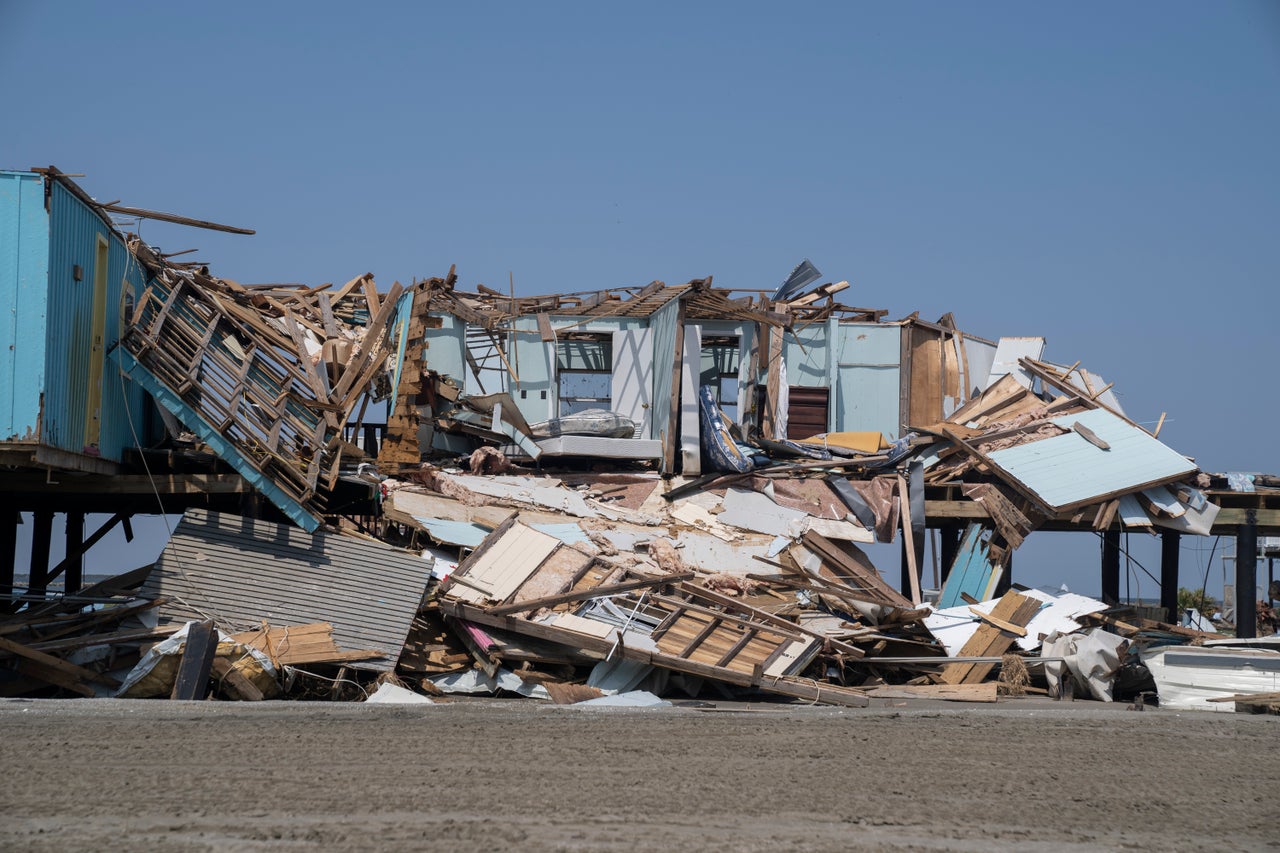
x: 806, y: 352
x: 445, y: 348
x: 535, y: 393
x: 24, y: 270
x: 868, y: 378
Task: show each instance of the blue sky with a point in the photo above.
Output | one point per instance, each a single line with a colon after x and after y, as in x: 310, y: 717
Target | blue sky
x: 1104, y: 175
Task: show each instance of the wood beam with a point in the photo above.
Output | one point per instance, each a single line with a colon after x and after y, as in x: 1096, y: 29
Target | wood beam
x: 41, y: 537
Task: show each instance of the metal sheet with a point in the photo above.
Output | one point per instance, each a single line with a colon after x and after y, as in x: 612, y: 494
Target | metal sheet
x: 1187, y: 677
x: 464, y: 534
x: 663, y: 323
x: 46, y: 335
x: 1131, y: 513
x: 979, y: 355
x: 241, y: 572
x: 1067, y: 471
x: 757, y: 512
x: 1008, y: 351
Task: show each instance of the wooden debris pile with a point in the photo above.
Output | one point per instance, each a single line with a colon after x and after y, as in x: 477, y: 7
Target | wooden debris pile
x: 77, y: 644
x: 267, y: 376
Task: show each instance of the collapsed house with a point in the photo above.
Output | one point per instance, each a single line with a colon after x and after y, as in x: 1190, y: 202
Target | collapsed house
x: 573, y: 495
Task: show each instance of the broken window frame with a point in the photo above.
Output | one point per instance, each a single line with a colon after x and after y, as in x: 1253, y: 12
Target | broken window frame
x: 727, y: 378
x: 598, y: 363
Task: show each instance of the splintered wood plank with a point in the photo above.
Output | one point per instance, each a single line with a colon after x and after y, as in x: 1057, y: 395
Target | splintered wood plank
x: 301, y: 644
x: 985, y: 692
x: 925, y: 404
x: 197, y: 661
x: 908, y: 541
x: 46, y: 663
x: 545, y: 332
x: 234, y: 682
x: 873, y: 587
x: 737, y: 647
x: 989, y: 640
x: 693, y: 628
x: 755, y: 652
x: 518, y: 604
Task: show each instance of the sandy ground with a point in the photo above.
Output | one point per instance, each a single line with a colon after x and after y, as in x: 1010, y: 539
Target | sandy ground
x: 1025, y: 775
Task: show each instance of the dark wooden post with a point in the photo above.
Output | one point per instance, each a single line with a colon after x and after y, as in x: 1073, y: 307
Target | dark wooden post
x: 1006, y: 577
x: 1111, y: 566
x: 904, y: 579
x: 1247, y: 576
x: 950, y: 534
x: 1169, y: 543
x: 8, y: 554
x: 74, y: 578
x: 41, y: 536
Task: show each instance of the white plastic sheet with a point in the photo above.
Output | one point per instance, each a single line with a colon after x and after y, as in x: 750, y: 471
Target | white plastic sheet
x: 1092, y: 657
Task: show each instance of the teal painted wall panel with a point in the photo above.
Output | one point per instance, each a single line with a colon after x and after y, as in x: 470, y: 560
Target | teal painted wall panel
x: 535, y: 393
x: 806, y: 352
x: 445, y: 348
x: 74, y: 229
x: 868, y: 378
x: 24, y: 268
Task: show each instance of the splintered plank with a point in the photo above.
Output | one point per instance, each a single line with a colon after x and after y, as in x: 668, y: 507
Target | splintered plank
x: 197, y: 661
x: 985, y: 692
x: 294, y: 645
x: 864, y: 578
x: 989, y: 640
x: 234, y: 682
x: 47, y: 667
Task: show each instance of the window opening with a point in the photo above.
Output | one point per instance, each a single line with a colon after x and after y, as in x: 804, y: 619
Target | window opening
x: 584, y: 367
x: 721, y: 359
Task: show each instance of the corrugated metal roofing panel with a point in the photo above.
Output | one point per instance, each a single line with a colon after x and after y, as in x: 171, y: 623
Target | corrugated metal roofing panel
x: 241, y: 572
x: 1067, y: 471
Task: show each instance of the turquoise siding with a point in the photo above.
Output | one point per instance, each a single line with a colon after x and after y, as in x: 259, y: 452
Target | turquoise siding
x: 24, y: 275
x: 51, y: 363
